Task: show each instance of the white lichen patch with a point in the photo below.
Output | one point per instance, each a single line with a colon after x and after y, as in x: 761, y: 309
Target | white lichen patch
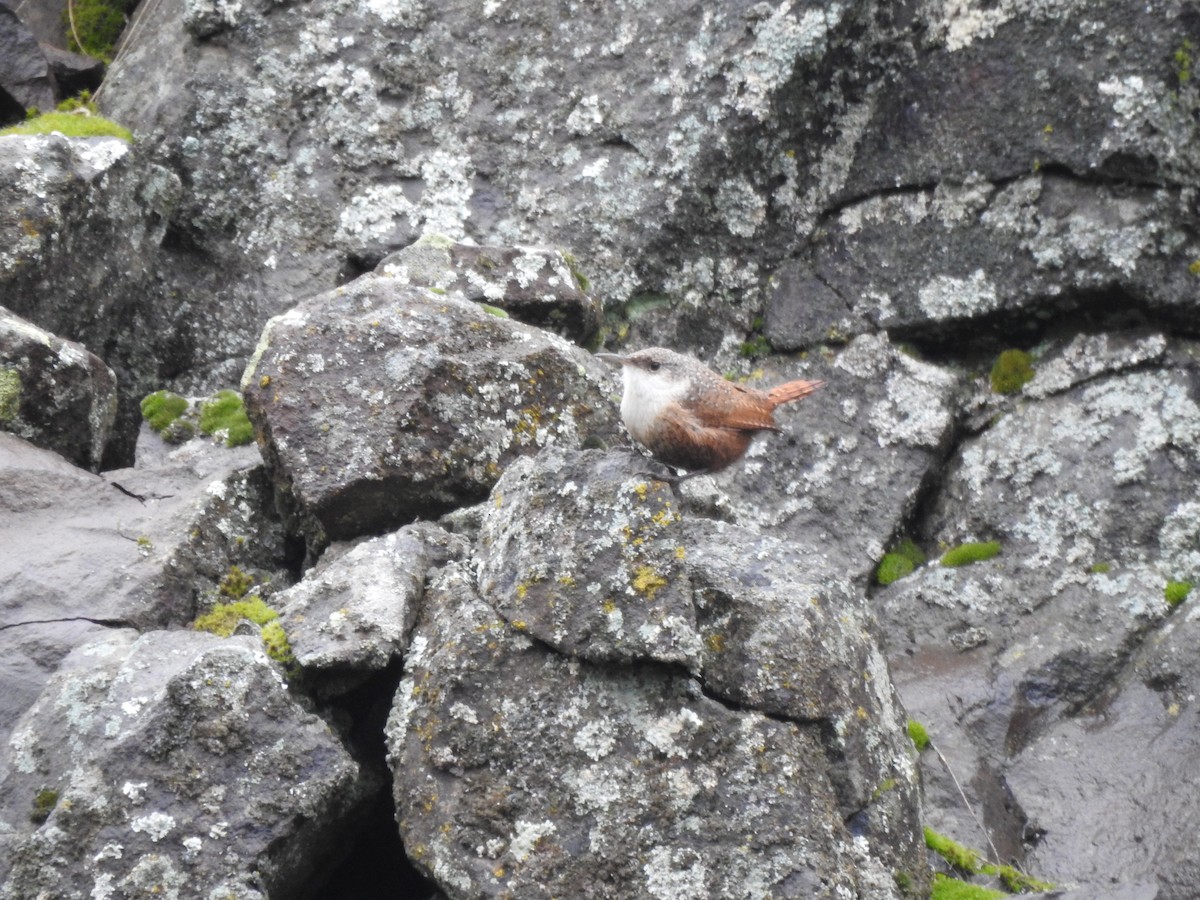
x: 157, y: 825
x: 1089, y: 355
x: 664, y: 732
x: 526, y: 836
x: 596, y: 739
x: 674, y: 873
x: 948, y: 297
x: 741, y: 207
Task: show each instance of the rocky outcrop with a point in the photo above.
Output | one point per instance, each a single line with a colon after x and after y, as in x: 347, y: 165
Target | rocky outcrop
x: 882, y: 196
x: 641, y: 669
x: 54, y: 393
x: 83, y: 219
x: 170, y: 763
x: 382, y: 401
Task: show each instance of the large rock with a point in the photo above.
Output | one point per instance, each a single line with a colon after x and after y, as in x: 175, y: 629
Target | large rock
x: 548, y: 714
x: 137, y: 547
x: 54, y: 393
x: 1012, y: 663
x: 82, y: 220
x: 381, y: 402
x: 25, y: 79
x: 171, y: 764
x: 353, y: 612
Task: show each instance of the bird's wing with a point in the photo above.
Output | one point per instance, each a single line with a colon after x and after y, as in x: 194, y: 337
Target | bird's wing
x: 729, y: 405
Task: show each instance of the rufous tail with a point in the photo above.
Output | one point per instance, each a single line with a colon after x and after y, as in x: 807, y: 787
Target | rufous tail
x: 792, y: 390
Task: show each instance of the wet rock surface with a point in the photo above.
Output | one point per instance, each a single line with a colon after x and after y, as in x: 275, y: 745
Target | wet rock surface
x: 437, y: 206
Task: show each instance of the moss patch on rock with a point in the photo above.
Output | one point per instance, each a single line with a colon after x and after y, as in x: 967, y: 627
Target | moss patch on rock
x: 965, y: 554
x: 901, y: 560
x: 71, y: 125
x: 225, y: 415
x: 1012, y: 370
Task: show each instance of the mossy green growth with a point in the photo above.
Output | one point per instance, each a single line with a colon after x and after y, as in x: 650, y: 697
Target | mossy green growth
x: 946, y: 888
x: 224, y: 618
x: 1183, y: 62
x: 71, y: 125
x: 494, y: 311
x: 1176, y: 592
x: 581, y: 280
x: 965, y: 554
x: 236, y: 584
x: 918, y: 735
x: 967, y: 860
x: 756, y: 346
x: 901, y: 560
x: 1100, y: 568
x: 44, y: 802
x: 162, y: 408
x: 1011, y: 371
x: 225, y: 413
x: 10, y: 394
x: 98, y: 25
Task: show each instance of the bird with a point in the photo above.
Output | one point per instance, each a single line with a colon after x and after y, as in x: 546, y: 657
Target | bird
x: 691, y: 418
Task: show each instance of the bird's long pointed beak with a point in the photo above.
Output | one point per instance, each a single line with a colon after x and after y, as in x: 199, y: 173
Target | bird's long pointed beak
x: 612, y: 358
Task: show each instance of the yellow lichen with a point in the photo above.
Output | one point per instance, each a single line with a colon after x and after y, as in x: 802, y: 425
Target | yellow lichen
x: 647, y: 581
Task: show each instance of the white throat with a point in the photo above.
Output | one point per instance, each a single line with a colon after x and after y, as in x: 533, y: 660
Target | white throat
x: 646, y: 396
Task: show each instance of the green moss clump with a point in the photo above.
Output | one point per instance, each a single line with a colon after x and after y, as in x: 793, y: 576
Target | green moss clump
x: 945, y: 888
x: 965, y: 554
x: 1011, y: 371
x: 918, y: 734
x: 494, y: 311
x: 1183, y: 62
x: 98, y: 25
x: 1100, y: 568
x: 162, y: 408
x: 275, y: 642
x: 236, y: 584
x: 1176, y: 592
x: 901, y: 560
x: 71, y: 125
x: 223, y: 618
x: 226, y: 413
x: 757, y: 346
x: 581, y: 280
x: 967, y: 860
x: 44, y: 802
x: 10, y: 394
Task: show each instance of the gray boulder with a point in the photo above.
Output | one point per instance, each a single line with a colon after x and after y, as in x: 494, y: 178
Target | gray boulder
x: 1089, y: 486
x: 381, y: 402
x: 54, y: 393
x: 84, y: 218
x: 586, y: 712
x: 173, y: 763
x: 352, y: 613
x: 143, y: 548
x: 25, y: 79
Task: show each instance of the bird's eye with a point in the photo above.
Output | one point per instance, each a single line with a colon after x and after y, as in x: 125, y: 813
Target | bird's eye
x: 655, y: 366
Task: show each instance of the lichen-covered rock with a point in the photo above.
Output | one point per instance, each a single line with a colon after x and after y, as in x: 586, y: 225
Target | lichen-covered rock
x: 538, y: 286
x: 352, y: 612
x: 381, y: 402
x: 169, y: 764
x: 137, y: 547
x: 82, y: 219
x: 54, y: 393
x: 520, y: 771
x: 1091, y: 491
x: 848, y: 469
x: 940, y: 257
x: 566, y: 662
x: 587, y: 553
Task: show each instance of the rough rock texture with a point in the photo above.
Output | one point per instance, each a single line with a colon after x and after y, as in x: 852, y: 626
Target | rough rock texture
x: 548, y: 735
x: 352, y: 613
x: 179, y: 763
x: 539, y: 287
x: 380, y: 402
x: 133, y: 547
x: 82, y: 220
x: 1011, y: 660
x: 54, y: 393
x: 881, y: 195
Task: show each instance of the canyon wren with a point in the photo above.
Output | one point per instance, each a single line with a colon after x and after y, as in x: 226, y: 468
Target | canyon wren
x: 688, y: 416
